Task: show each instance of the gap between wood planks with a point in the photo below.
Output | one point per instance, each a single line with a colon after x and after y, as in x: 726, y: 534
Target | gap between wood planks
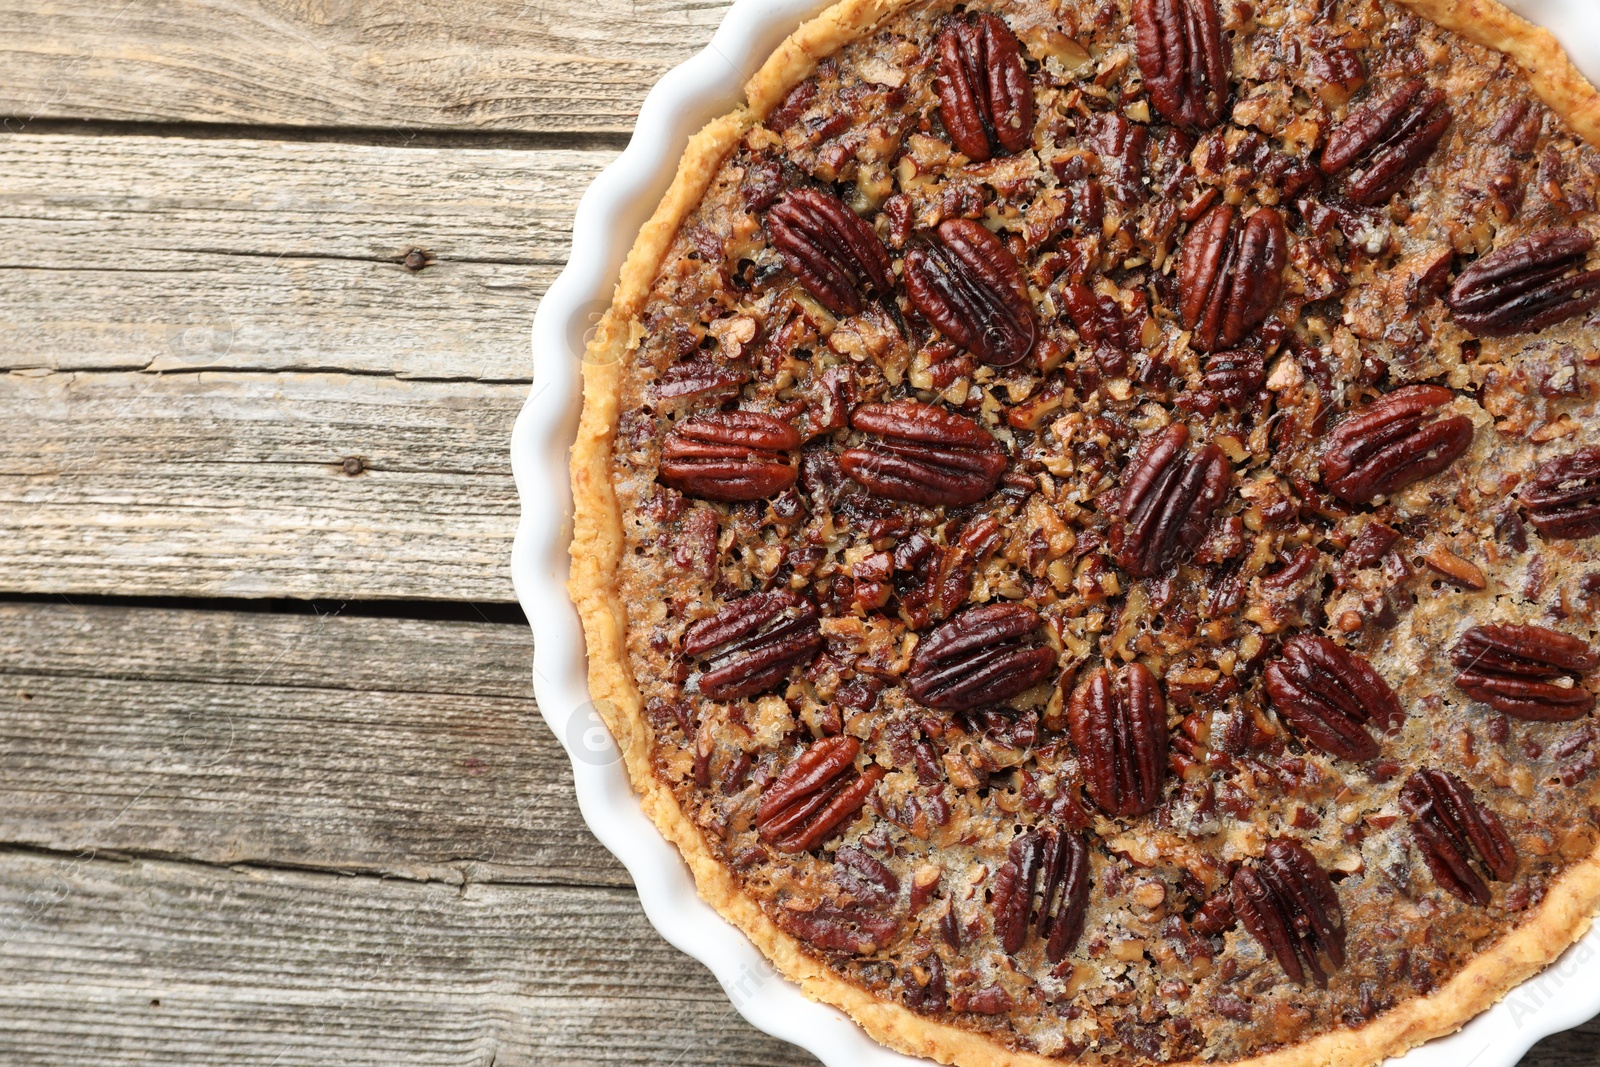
x: 465, y: 876
x: 498, y: 613
x: 371, y: 137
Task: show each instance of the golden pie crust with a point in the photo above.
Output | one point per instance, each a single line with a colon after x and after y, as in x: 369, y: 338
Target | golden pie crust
x: 1561, y: 918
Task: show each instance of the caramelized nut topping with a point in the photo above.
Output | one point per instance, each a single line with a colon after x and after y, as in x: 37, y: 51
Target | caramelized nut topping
x: 1527, y: 285
x: 830, y: 248
x: 815, y: 795
x: 1519, y: 670
x: 982, y: 656
x: 1046, y: 873
x: 1099, y: 461
x: 1385, y: 140
x: 753, y: 644
x: 1120, y: 730
x: 968, y: 285
x: 923, y: 455
x: 1184, y: 59
x: 1230, y: 275
x: 1168, y: 496
x: 1289, y: 905
x: 985, y: 100
x: 730, y: 456
x: 1329, y: 695
x: 1392, y: 442
x: 1451, y: 828
x: 1563, y: 499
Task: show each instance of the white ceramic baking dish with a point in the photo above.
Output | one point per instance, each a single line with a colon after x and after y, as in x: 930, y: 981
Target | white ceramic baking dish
x: 608, y: 219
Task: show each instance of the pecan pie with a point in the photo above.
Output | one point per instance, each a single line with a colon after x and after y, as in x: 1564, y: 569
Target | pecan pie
x: 1088, y: 521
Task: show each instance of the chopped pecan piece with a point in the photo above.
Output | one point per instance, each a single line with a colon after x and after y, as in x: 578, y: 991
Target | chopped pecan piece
x: 1120, y: 729
x: 816, y: 794
x: 925, y: 989
x: 985, y: 655
x: 1340, y: 72
x: 1526, y: 286
x: 1235, y: 377
x: 1101, y: 322
x: 1383, y: 141
x: 1329, y: 695
x: 1184, y: 59
x: 831, y: 249
x: 1563, y: 499
x: 1044, y: 884
x: 730, y: 456
x: 1450, y: 826
x: 985, y: 100
x: 1230, y: 275
x: 1388, y: 444
x: 751, y: 645
x: 968, y: 284
x: 1518, y: 670
x: 1168, y: 496
x: 923, y: 455
x: 1289, y: 905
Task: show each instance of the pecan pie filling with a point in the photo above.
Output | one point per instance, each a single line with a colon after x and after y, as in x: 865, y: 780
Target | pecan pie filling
x: 1109, y: 496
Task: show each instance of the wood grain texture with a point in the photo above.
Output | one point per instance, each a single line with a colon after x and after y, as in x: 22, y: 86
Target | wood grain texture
x: 168, y: 254
x: 230, y: 484
x: 436, y: 64
x: 1578, y: 1047
x: 404, y: 748
x: 158, y: 962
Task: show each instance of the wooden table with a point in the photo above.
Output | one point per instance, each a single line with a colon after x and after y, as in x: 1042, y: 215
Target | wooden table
x: 273, y: 789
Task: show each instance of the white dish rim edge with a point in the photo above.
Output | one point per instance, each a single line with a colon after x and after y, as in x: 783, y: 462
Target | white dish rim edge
x: 608, y: 218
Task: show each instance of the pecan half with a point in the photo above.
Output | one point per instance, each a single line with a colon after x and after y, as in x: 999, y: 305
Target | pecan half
x: 1184, y: 59
x: 1563, y: 499
x: 1385, y: 140
x: 817, y: 793
x: 985, y: 655
x: 1329, y: 695
x: 752, y: 644
x: 730, y: 456
x: 1289, y: 905
x: 1230, y: 275
x: 1044, y: 884
x: 968, y: 285
x: 832, y: 251
x: 1168, y: 496
x: 1383, y: 447
x: 1450, y: 826
x: 1120, y: 729
x: 985, y: 100
x: 1525, y: 286
x: 923, y: 455
x: 1518, y: 670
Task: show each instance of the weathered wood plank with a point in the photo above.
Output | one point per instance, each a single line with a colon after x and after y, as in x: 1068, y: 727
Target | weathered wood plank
x: 1579, y: 1047
x: 330, y: 650
x: 484, y: 64
x: 288, y: 485
x: 155, y: 962
x: 165, y: 253
x: 397, y: 747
